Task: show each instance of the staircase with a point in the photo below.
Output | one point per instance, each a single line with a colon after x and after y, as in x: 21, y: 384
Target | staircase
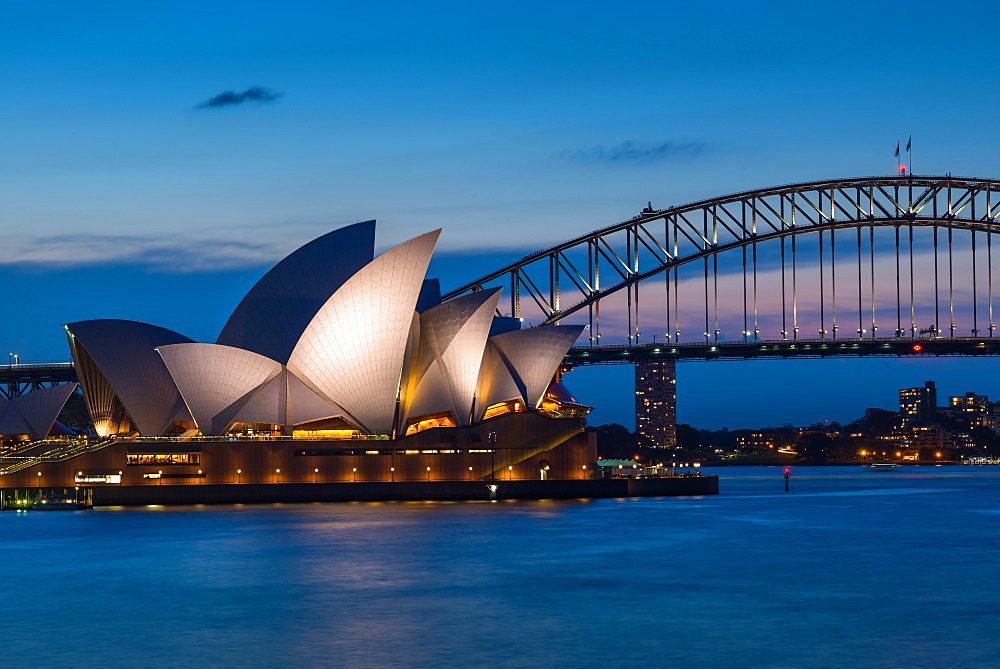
x: 48, y: 450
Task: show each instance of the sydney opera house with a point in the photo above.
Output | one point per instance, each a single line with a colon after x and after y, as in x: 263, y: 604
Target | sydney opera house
x: 338, y: 365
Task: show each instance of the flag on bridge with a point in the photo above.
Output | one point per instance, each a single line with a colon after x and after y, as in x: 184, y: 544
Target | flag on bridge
x: 909, y: 143
x: 897, y: 149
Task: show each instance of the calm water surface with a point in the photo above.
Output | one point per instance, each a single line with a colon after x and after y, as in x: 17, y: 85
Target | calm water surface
x: 852, y: 567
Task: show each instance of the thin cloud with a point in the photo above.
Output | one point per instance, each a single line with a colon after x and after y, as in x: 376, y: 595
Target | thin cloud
x: 255, y: 94
x: 159, y: 253
x: 639, y: 152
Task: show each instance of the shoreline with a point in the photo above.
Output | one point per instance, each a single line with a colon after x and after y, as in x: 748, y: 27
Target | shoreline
x: 269, y: 493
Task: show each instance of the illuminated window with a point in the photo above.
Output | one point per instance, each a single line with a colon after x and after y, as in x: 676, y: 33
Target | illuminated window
x: 163, y: 459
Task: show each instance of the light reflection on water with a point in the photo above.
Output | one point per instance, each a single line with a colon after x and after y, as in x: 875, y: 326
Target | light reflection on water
x: 852, y: 566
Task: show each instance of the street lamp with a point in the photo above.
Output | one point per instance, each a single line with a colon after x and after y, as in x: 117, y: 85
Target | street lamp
x: 392, y: 474
x: 354, y: 474
x: 277, y: 475
x: 428, y: 473
x: 315, y: 475
x: 510, y: 472
x: 492, y: 439
x: 239, y: 476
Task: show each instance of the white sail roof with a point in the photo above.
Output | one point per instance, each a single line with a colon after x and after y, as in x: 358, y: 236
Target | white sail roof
x: 41, y: 407
x: 353, y: 350
x: 452, y: 341
x: 11, y: 422
x: 496, y: 383
x: 533, y: 357
x: 116, y: 362
x: 276, y: 311
x: 34, y: 413
x: 216, y: 381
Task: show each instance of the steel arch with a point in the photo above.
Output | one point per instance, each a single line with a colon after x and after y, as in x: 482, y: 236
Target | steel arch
x: 657, y: 241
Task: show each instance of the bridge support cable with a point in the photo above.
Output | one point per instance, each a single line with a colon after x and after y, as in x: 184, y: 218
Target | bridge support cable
x: 715, y: 294
x: 989, y: 274
x: 822, y: 292
x: 899, y: 308
x: 937, y: 291
x: 705, y: 260
x: 833, y: 283
x: 746, y: 311
x: 913, y: 313
x: 756, y: 328
x: 871, y: 265
x: 784, y: 294
x: 795, y: 294
x: 861, y: 301
x: 975, y: 296
x: 951, y: 283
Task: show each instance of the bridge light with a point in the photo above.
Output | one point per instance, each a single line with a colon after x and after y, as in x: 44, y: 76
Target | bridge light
x: 917, y: 348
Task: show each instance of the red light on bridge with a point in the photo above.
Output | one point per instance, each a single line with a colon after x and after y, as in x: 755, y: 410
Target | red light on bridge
x: 902, y: 169
x: 917, y: 348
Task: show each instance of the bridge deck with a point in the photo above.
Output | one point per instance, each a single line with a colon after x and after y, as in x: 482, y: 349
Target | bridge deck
x: 777, y: 349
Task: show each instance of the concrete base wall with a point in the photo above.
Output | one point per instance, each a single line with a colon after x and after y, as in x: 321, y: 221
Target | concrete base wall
x: 268, y: 493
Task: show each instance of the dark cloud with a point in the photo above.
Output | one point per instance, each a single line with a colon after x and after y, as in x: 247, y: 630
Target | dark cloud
x: 231, y: 98
x: 640, y: 152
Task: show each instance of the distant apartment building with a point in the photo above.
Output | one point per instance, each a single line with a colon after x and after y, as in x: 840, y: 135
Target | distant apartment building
x: 775, y: 439
x: 971, y: 407
x: 656, y: 403
x: 918, y: 405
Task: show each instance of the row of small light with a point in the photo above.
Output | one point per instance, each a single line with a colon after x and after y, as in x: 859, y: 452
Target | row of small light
x: 354, y: 471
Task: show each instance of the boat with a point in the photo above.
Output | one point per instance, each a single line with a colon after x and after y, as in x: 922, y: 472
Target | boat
x: 883, y: 465
x: 56, y: 502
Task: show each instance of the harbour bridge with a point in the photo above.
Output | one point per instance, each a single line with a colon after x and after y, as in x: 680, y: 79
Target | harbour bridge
x: 915, y: 259
x: 874, y: 266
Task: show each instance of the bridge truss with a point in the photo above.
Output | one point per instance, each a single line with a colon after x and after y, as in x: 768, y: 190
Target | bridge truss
x: 16, y: 380
x: 869, y: 258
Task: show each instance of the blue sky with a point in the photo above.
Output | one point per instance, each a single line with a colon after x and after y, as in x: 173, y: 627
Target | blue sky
x: 512, y: 125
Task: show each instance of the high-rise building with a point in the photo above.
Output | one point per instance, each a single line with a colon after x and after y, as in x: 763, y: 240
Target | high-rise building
x: 918, y: 405
x: 656, y: 403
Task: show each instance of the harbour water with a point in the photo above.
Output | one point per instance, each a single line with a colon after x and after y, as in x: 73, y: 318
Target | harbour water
x: 851, y: 567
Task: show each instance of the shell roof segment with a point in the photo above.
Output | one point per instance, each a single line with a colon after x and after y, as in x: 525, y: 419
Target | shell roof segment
x: 216, y: 381
x: 533, y: 356
x: 354, y: 349
x: 453, y: 338
x: 41, y: 407
x: 11, y: 422
x: 124, y: 351
x: 273, y: 315
x: 496, y: 382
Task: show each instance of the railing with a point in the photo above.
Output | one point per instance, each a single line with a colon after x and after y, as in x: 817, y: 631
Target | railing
x: 63, y: 452
x: 261, y: 437
x: 788, y: 340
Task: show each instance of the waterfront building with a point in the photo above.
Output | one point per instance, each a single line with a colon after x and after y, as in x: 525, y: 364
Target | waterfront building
x: 656, y: 403
x: 918, y: 405
x: 773, y: 439
x: 337, y: 366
